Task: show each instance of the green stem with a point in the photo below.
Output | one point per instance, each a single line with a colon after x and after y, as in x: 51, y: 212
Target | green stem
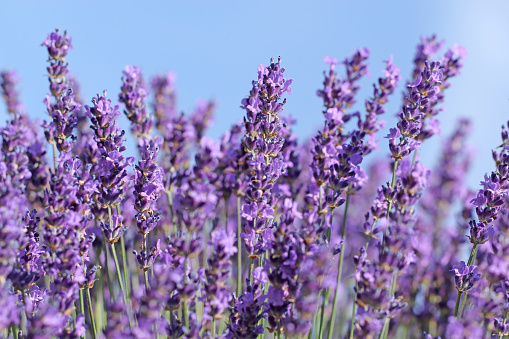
x: 239, y: 250
x: 473, y: 254
x: 463, y: 302
x: 91, y: 314
x: 387, y: 321
x: 23, y: 320
x: 340, y: 267
x: 322, y: 313
x: 319, y: 200
x: 124, y: 262
x: 457, y: 307
x: 389, y: 205
x: 108, y: 279
x: 14, y: 330
x: 315, y: 319
x: 54, y: 156
x: 213, y: 328
x: 184, y: 314
x: 82, y: 302
x: 414, y: 157
x: 119, y: 275
x: 114, y: 253
x: 145, y: 272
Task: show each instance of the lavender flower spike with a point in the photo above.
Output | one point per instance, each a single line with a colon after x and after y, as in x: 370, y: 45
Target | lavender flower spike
x: 263, y: 141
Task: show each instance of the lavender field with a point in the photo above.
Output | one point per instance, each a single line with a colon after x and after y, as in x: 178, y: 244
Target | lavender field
x: 261, y: 233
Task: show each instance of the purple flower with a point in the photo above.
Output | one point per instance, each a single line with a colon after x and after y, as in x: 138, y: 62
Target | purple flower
x: 148, y: 182
x: 263, y: 141
x: 58, y: 46
x: 9, y: 81
x: 133, y: 95
x: 112, y: 166
x: 465, y: 276
x: 202, y: 117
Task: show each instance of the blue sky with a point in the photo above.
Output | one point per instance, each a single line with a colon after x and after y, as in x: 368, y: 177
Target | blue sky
x: 215, y: 48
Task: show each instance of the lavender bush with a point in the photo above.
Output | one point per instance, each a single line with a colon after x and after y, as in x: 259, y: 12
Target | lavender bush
x: 254, y: 235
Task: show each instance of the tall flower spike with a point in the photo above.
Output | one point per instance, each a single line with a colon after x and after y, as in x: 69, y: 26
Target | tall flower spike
x: 263, y: 141
x: 58, y: 47
x: 148, y: 182
x: 133, y: 95
x: 111, y: 169
x: 9, y: 93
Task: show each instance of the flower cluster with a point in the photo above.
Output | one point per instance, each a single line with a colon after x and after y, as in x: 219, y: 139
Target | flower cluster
x: 256, y: 234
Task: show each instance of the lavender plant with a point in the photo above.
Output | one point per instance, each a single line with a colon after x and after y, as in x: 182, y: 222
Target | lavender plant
x: 256, y: 235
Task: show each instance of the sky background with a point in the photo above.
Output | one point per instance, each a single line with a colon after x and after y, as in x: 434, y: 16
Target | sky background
x: 215, y: 48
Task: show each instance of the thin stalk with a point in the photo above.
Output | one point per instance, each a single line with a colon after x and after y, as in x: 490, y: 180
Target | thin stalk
x: 91, y: 314
x: 315, y: 319
x: 414, y: 157
x: 82, y: 306
x: 23, y: 320
x: 340, y: 267
x: 322, y: 313
x: 82, y: 299
x: 145, y: 272
x: 457, y: 307
x: 239, y: 250
x: 14, y: 330
x: 387, y: 321
x: 389, y: 205
x: 54, y: 156
x: 473, y: 254
x: 117, y: 267
x: 319, y: 199
x: 124, y: 262
x: 99, y: 302
x: 213, y: 328
x: 185, y: 315
x: 107, y: 270
x: 463, y: 302
x: 82, y: 302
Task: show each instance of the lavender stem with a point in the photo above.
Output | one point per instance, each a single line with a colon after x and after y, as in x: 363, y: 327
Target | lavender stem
x: 124, y: 261
x: 456, y: 308
x: 91, y: 313
x: 463, y: 302
x: 389, y: 205
x: 117, y: 266
x: 145, y: 273
x: 108, y: 279
x: 340, y: 267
